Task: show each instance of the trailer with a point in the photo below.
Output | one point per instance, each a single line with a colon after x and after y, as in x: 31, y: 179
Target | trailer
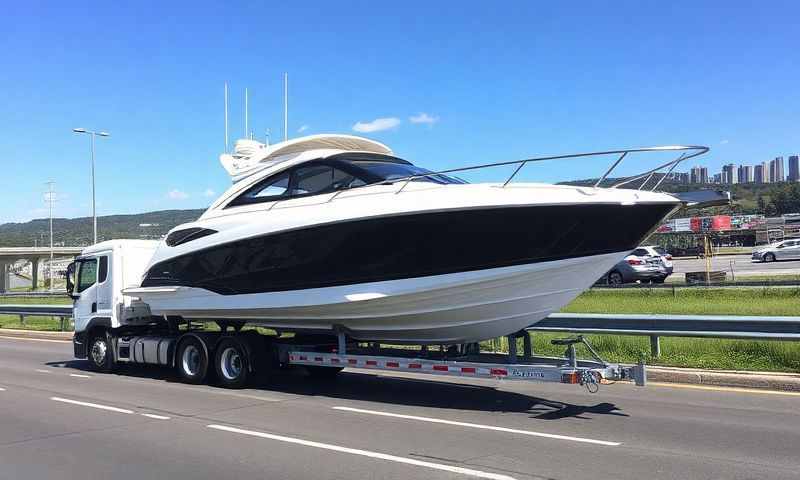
x: 112, y: 329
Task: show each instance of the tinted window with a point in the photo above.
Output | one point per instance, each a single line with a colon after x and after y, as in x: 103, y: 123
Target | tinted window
x: 103, y: 273
x: 394, y: 171
x: 87, y: 274
x: 320, y: 179
x: 274, y: 188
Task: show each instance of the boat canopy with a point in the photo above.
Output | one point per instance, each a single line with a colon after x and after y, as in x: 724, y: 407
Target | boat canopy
x: 251, y: 155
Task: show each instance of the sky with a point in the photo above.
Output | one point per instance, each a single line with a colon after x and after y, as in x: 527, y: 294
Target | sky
x: 444, y: 84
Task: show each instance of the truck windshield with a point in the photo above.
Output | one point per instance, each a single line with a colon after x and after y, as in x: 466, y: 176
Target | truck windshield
x: 389, y: 171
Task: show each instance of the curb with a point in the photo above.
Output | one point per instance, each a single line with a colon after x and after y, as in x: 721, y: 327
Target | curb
x: 38, y: 334
x: 788, y: 382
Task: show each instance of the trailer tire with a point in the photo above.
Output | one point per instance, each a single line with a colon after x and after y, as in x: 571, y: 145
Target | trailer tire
x: 191, y: 360
x: 232, y: 363
x: 100, y: 351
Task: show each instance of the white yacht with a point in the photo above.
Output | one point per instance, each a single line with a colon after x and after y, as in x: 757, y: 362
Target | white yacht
x: 334, y: 233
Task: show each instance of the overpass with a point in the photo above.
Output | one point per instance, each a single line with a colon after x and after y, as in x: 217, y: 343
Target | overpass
x: 9, y: 255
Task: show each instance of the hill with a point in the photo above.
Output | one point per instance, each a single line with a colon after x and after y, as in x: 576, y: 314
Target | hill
x: 78, y: 231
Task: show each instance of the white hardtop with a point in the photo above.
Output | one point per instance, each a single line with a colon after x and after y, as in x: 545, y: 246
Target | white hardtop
x: 251, y: 156
x: 118, y: 244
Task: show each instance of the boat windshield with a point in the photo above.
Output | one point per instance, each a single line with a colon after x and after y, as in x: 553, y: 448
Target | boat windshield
x: 389, y: 171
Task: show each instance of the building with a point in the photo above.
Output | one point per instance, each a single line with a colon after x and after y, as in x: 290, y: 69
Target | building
x: 694, y: 175
x: 767, y: 176
x: 758, y: 174
x: 717, y: 178
x: 703, y: 174
x: 749, y: 175
x: 729, y: 174
x: 776, y: 170
x: 794, y: 168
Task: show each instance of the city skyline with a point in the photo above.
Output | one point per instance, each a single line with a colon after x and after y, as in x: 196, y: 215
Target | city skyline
x: 771, y: 171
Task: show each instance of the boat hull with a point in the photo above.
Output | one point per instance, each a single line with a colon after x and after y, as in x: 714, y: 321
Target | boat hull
x: 452, y: 308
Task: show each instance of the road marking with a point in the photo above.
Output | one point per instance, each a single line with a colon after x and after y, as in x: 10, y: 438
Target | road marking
x: 483, y: 427
x: 78, y: 375
x: 93, y: 405
x: 153, y: 415
x: 2, y: 389
x: 40, y: 370
x: 365, y: 453
x: 723, y: 389
x: 35, y: 339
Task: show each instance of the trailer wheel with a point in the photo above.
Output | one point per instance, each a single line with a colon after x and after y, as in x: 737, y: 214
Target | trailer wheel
x: 232, y: 363
x: 192, y: 361
x: 101, y: 358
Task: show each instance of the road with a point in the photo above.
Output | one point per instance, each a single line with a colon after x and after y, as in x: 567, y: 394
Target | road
x: 740, y: 263
x: 59, y: 421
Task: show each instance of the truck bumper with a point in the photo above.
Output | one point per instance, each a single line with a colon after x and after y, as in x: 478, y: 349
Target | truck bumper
x: 79, y: 344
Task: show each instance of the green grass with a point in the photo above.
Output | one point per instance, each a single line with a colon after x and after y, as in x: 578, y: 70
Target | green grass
x: 690, y: 301
x: 32, y: 323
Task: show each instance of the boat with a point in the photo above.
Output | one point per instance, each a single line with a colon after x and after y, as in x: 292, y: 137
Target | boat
x: 334, y: 233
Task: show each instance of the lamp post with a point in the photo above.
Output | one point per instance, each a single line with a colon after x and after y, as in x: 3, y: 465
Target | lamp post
x: 94, y: 210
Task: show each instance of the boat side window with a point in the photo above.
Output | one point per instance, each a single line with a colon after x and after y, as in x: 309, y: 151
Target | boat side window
x: 316, y: 179
x: 87, y: 275
x: 274, y: 188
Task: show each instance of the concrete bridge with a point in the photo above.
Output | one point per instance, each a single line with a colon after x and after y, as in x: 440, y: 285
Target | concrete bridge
x: 9, y: 255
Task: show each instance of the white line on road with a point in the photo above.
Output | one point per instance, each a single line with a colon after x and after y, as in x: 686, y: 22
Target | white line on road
x: 153, y: 415
x: 93, y: 405
x: 2, y: 389
x: 78, y: 375
x: 41, y: 370
x: 366, y: 453
x: 483, y: 427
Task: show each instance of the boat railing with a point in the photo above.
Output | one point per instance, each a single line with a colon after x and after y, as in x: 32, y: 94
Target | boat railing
x: 685, y: 153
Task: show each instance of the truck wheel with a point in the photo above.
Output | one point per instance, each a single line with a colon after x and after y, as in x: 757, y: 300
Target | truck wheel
x: 192, y: 361
x: 101, y: 358
x: 232, y: 363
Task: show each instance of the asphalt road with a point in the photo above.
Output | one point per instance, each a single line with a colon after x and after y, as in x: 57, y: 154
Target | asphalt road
x: 59, y: 421
x: 740, y: 264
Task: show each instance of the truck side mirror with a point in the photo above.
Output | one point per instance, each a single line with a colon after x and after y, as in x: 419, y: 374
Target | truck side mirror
x: 70, y: 275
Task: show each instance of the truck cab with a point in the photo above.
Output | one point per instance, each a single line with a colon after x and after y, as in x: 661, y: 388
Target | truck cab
x: 95, y: 281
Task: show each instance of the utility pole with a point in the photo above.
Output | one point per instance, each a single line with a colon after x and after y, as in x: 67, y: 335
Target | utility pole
x: 50, y: 198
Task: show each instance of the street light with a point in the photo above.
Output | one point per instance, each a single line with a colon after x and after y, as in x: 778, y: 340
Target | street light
x: 94, y: 211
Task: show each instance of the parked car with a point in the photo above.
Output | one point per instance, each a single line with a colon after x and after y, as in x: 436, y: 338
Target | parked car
x: 783, y: 250
x: 641, y: 265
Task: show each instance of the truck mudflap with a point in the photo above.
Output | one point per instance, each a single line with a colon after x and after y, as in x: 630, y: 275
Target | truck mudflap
x: 79, y: 344
x: 542, y: 369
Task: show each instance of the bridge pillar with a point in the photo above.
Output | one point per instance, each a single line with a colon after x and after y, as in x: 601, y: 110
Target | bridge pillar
x: 5, y: 284
x: 35, y: 273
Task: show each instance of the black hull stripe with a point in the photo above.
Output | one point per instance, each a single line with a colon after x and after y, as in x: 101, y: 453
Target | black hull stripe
x: 410, y: 246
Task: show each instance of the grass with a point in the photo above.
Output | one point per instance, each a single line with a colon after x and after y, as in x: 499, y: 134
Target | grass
x: 690, y: 301
x: 32, y: 323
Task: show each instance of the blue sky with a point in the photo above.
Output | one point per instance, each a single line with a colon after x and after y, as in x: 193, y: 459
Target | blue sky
x: 496, y: 81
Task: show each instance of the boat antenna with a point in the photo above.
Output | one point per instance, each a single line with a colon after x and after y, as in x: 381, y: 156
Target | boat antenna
x: 285, y: 106
x: 246, y: 128
x: 226, y: 117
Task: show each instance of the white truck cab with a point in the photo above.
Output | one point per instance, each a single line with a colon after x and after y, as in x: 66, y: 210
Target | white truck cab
x: 95, y: 282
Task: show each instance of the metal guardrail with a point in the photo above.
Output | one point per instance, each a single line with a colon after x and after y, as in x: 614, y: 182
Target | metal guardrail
x: 655, y: 326
x: 63, y: 312
x: 730, y: 284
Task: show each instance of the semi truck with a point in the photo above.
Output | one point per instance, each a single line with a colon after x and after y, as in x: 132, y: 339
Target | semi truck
x: 114, y: 328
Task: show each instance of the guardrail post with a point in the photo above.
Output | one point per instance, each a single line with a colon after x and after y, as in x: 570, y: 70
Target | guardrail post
x: 655, y: 346
x: 61, y: 323
x: 21, y: 319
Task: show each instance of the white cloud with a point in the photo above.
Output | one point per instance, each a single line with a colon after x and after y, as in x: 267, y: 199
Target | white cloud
x: 423, y: 117
x: 377, y: 125
x: 302, y: 129
x: 176, y: 194
x: 209, y: 193
x: 724, y: 142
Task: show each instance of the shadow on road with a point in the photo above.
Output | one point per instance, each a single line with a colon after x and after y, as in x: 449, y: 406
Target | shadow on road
x: 394, y: 390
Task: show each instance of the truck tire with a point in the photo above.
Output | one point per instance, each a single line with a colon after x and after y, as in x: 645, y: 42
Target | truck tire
x: 232, y: 363
x: 100, y: 354
x: 192, y: 360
